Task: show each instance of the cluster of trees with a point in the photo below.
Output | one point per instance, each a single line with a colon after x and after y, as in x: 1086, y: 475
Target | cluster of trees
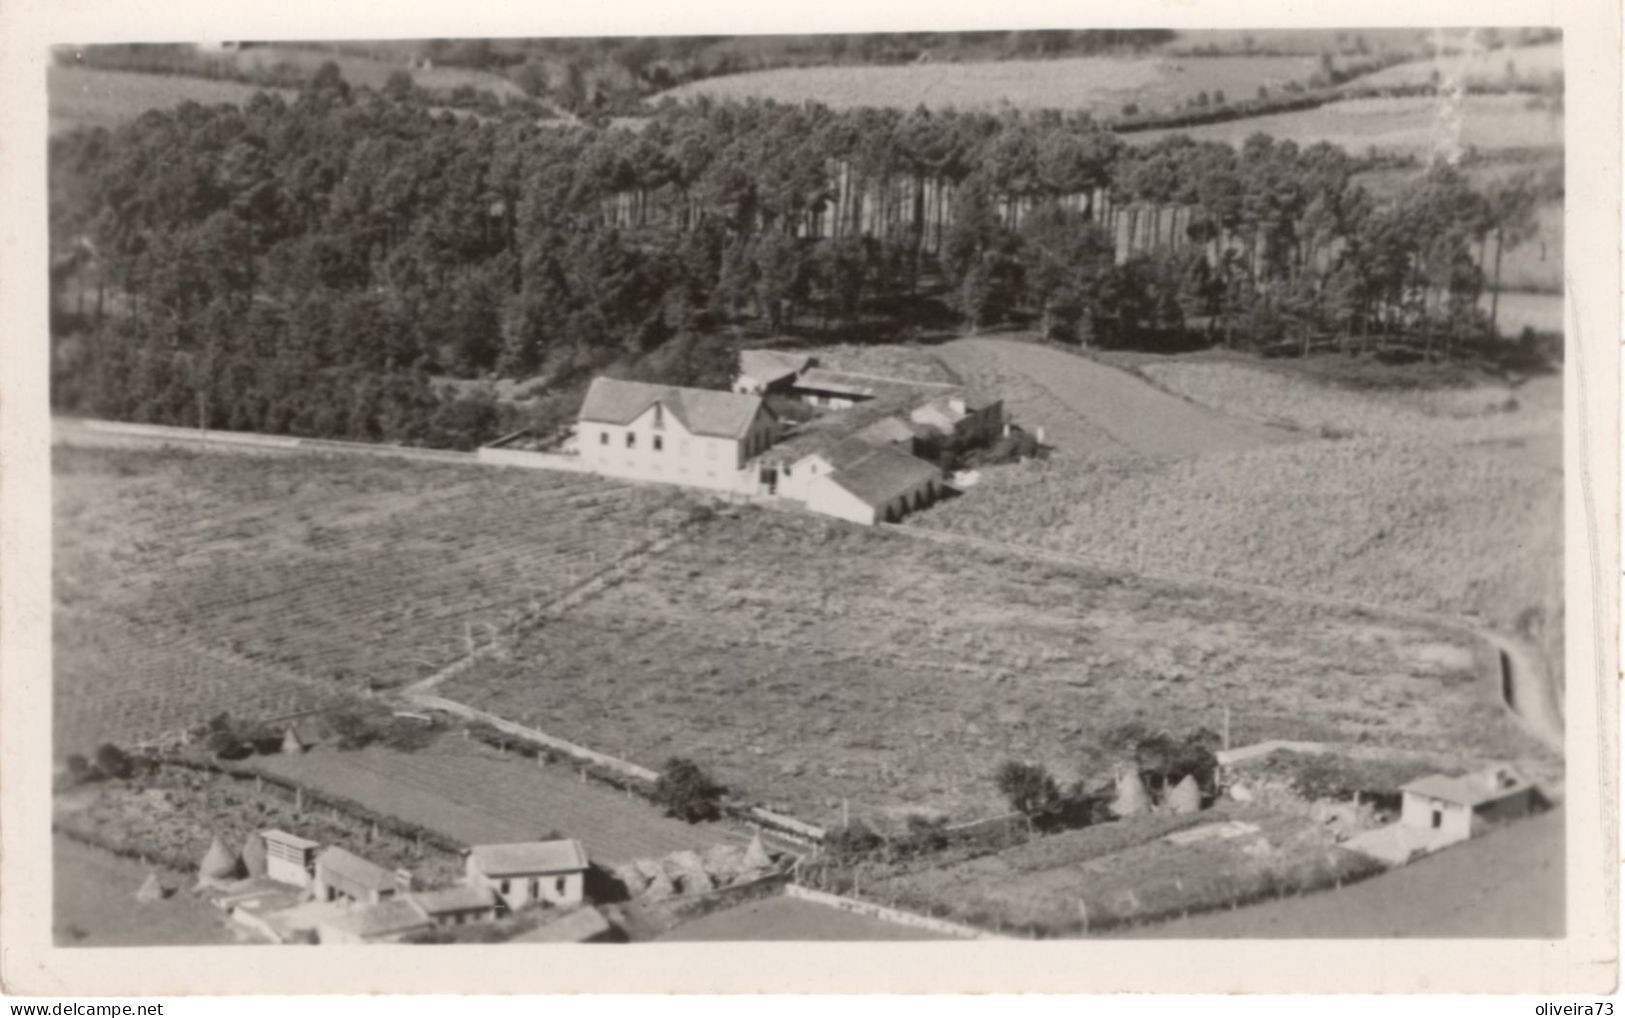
x: 312, y: 267
x: 1161, y: 760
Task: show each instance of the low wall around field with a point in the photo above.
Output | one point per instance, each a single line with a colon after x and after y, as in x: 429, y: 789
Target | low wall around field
x: 498, y: 457
x: 889, y: 915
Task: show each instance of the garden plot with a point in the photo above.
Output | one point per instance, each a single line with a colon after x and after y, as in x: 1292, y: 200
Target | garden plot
x: 351, y: 573
x: 476, y: 795
x: 812, y: 663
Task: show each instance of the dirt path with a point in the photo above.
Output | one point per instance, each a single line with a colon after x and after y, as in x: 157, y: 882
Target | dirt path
x: 1071, y: 396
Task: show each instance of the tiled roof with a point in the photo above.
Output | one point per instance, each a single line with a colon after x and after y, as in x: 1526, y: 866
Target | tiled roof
x: 530, y: 857
x: 350, y: 867
x: 574, y: 928
x: 397, y: 915
x: 883, y: 474
x: 825, y: 380
x: 1469, y: 790
x: 769, y: 366
x: 461, y: 898
x: 702, y: 411
x: 887, y: 431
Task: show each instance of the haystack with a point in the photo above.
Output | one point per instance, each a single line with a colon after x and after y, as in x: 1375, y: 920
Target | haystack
x: 660, y: 887
x: 151, y: 890
x: 1184, y: 797
x: 254, y: 855
x: 633, y: 878
x: 756, y: 857
x: 219, y: 863
x: 1132, y: 799
x: 687, y: 870
x: 725, y: 863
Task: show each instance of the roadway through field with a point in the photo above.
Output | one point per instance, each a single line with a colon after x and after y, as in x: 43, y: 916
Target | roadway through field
x: 1088, y: 407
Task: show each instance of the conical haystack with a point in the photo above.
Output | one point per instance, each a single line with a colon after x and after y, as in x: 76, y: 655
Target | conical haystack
x: 1132, y: 799
x: 660, y: 887
x: 254, y: 855
x: 1184, y: 797
x: 756, y: 857
x: 150, y: 890
x: 219, y: 863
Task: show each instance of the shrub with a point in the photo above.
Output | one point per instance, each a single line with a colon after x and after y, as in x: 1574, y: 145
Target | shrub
x: 1029, y: 788
x: 113, y: 762
x: 854, y: 839
x: 687, y: 792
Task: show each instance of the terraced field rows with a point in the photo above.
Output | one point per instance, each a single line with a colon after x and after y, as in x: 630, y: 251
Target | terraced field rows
x: 292, y: 568
x: 475, y: 796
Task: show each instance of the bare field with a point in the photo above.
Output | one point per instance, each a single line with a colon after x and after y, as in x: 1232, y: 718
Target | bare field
x: 1541, y: 64
x: 810, y: 662
x: 475, y: 795
x: 1407, y: 124
x: 1098, y: 84
x: 88, y: 97
x: 220, y: 569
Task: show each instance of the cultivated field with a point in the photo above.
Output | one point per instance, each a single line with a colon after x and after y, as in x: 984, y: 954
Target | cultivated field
x: 271, y: 574
x: 475, y: 795
x: 1101, y: 85
x: 371, y: 72
x: 811, y: 663
x: 1412, y: 125
x: 86, y: 97
x: 1393, y: 500
x: 1508, y: 883
x: 1088, y: 409
x: 1128, y: 872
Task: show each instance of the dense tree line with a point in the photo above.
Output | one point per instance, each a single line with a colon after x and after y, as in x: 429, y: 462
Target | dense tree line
x: 311, y: 266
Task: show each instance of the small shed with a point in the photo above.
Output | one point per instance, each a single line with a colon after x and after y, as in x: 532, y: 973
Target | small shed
x: 289, y: 859
x: 384, y: 922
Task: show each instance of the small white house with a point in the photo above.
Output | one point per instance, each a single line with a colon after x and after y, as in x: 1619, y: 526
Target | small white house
x: 697, y: 437
x: 530, y: 872
x: 1453, y: 809
x: 290, y: 859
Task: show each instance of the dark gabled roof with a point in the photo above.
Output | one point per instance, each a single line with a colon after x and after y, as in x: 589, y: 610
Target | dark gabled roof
x: 888, y: 431
x: 883, y: 474
x: 353, y: 869
x: 769, y: 366
x: 702, y: 411
x: 565, y: 856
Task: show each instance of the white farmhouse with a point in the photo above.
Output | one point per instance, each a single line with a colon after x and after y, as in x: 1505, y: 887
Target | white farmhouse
x: 861, y: 482
x: 530, y: 872
x: 698, y: 437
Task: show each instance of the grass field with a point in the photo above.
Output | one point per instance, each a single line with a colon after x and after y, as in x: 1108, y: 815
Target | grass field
x: 371, y: 72
x: 1409, y: 125
x: 1098, y: 84
x: 785, y: 918
x: 1540, y: 65
x: 86, y: 97
x: 809, y: 663
x: 475, y: 795
x: 1407, y: 505
x: 93, y: 904
x: 276, y: 575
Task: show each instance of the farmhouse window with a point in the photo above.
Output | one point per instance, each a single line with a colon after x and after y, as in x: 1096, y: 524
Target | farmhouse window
x: 603, y: 438
x: 660, y: 419
x: 659, y: 444
x: 536, y: 890
x: 631, y: 440
x: 505, y: 887
x: 558, y: 886
x: 1438, y: 818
